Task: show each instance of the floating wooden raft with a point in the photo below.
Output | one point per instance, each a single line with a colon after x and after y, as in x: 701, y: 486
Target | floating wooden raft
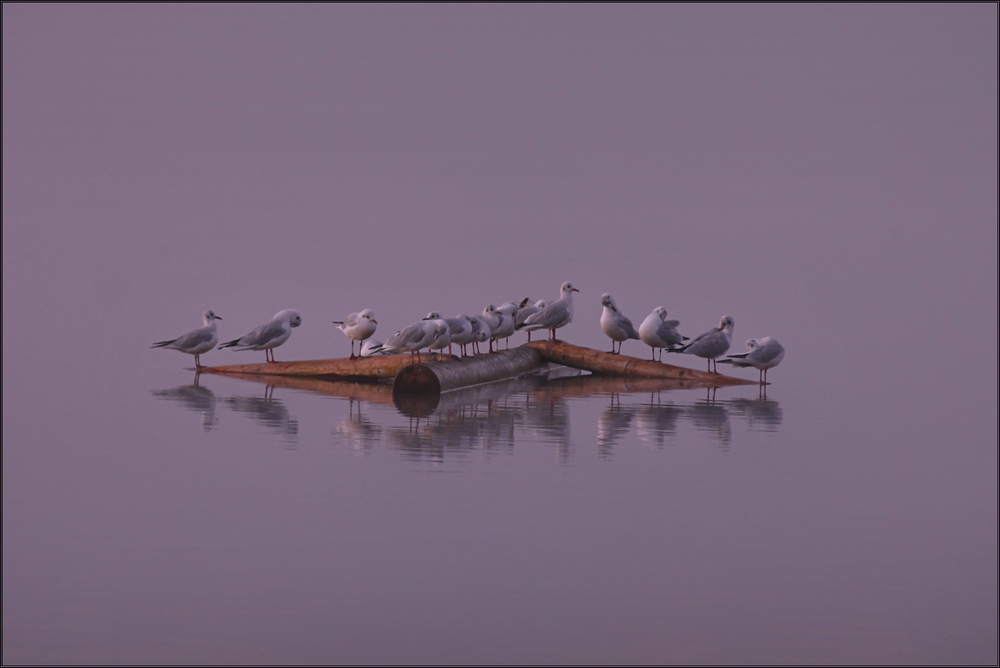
x: 602, y: 362
x: 442, y: 373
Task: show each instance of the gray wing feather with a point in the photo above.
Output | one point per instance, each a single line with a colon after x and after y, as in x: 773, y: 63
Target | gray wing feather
x: 669, y: 334
x: 193, y: 339
x: 629, y: 328
x: 765, y: 354
x: 708, y: 343
x: 263, y: 334
x: 551, y: 316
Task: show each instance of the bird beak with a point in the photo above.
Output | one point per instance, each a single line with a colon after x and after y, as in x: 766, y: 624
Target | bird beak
x: 573, y: 290
x: 375, y: 321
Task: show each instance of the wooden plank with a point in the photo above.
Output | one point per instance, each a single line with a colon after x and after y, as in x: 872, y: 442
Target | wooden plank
x: 602, y: 362
x: 381, y: 367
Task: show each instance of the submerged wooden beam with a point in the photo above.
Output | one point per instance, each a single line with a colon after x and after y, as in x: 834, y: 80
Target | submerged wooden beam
x: 383, y: 366
x: 437, y: 377
x: 602, y: 362
x: 595, y: 385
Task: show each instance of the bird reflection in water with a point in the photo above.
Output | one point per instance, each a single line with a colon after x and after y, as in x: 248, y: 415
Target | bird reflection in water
x: 761, y: 415
x: 493, y: 417
x: 712, y: 417
x: 358, y: 431
x: 268, y: 411
x: 415, y: 443
x: 547, y: 420
x: 194, y: 398
x: 615, y: 422
x: 656, y: 421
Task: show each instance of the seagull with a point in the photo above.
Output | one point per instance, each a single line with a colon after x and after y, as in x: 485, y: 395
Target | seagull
x: 511, y: 308
x: 557, y: 314
x: 525, y: 311
x: 195, y: 342
x: 658, y: 332
x: 371, y: 348
x: 358, y: 326
x: 762, y: 355
x: 462, y: 331
x: 494, y: 318
x: 505, y: 329
x: 419, y: 335
x: 615, y: 324
x: 480, y: 333
x: 269, y: 335
x: 712, y: 343
x: 442, y: 335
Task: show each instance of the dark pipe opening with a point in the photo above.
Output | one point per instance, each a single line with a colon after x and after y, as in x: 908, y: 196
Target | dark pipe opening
x: 416, y: 378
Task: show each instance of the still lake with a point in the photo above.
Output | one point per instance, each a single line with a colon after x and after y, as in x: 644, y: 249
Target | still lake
x: 570, y: 520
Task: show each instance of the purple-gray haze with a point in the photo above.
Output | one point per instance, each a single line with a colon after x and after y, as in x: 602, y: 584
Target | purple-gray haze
x: 825, y: 174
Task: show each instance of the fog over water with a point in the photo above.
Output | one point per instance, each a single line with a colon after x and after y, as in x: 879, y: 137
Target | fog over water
x: 825, y: 175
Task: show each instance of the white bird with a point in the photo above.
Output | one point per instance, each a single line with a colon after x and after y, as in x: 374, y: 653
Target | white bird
x: 524, y: 312
x: 268, y: 336
x: 197, y: 341
x: 371, y: 348
x: 480, y: 333
x: 615, y: 324
x: 505, y: 328
x: 511, y: 308
x: 493, y: 318
x: 713, y: 343
x: 762, y: 354
x: 462, y: 331
x: 358, y: 326
x: 442, y: 338
x: 658, y: 332
x: 412, y: 339
x: 557, y: 314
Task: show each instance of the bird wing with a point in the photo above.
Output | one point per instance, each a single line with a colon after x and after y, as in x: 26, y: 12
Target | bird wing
x: 765, y: 354
x: 554, y: 315
x: 694, y: 341
x: 263, y: 334
x: 199, y: 337
x: 628, y: 327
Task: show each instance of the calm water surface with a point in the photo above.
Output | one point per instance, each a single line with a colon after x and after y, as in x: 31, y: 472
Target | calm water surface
x: 576, y: 519
x: 825, y: 175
